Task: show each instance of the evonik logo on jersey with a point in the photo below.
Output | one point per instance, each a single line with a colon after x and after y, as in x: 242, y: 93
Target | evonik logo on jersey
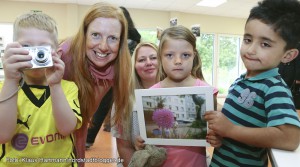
x: 21, y: 140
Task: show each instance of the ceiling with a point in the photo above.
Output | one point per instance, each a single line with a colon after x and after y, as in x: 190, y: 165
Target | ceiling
x: 233, y: 8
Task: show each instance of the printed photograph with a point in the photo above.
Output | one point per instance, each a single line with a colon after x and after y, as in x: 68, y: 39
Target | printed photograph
x: 174, y: 118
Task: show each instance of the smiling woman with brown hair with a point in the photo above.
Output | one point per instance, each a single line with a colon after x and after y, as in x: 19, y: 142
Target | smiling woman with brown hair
x: 97, y: 58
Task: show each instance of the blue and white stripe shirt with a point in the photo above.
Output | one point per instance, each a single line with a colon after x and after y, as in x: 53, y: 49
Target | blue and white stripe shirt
x: 260, y: 101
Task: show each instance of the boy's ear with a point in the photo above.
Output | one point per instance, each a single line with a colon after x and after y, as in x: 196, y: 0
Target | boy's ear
x: 290, y: 55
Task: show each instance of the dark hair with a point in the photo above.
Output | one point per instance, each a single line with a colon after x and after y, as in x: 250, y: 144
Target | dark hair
x: 133, y: 34
x: 283, y: 16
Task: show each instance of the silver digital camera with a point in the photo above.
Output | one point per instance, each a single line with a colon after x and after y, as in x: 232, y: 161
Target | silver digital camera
x: 41, y: 56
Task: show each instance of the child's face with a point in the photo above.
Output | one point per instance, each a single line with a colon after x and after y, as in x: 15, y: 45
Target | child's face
x: 262, y: 48
x: 34, y: 37
x: 102, y: 40
x: 177, y: 59
x: 146, y: 64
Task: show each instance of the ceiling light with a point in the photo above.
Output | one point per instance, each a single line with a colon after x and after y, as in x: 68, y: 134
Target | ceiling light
x: 211, y: 3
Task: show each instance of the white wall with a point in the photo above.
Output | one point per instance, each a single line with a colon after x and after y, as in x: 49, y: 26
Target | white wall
x: 69, y: 17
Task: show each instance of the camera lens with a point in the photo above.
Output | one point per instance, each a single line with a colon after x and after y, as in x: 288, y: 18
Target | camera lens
x: 40, y: 54
x: 41, y: 57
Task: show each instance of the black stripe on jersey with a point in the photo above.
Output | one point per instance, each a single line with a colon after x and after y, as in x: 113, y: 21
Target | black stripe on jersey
x: 73, y: 153
x: 76, y: 112
x: 73, y: 159
x: 75, y: 103
x: 33, y: 98
x: 3, y: 152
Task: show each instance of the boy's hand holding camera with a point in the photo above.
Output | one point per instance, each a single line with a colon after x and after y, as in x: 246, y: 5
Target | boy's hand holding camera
x: 55, y: 73
x: 17, y: 59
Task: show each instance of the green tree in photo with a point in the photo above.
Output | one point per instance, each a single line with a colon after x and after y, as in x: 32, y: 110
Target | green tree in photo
x: 160, y: 102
